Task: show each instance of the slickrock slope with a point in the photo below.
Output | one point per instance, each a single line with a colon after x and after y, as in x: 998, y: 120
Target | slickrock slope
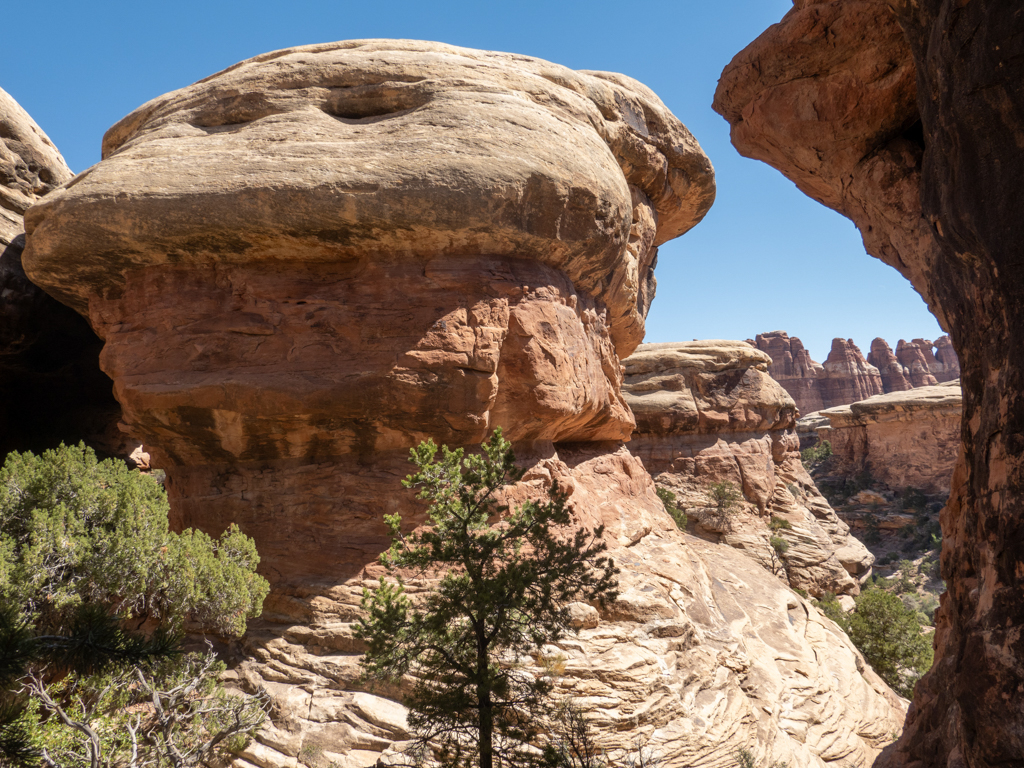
x: 707, y: 412
x: 904, y: 439
x: 907, y: 117
x: 793, y: 368
x: 286, y: 262
x: 894, y: 378
x: 51, y: 387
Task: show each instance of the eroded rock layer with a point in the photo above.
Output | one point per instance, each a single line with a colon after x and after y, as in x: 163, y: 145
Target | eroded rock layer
x: 330, y: 253
x: 907, y: 117
x: 703, y: 653
x: 708, y: 412
x: 51, y: 386
x: 904, y: 439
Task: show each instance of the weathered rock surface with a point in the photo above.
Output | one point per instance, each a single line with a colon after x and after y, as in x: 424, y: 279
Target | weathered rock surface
x: 846, y: 376
x: 708, y: 412
x: 306, y: 264
x: 703, y: 653
x: 51, y: 386
x: 894, y: 378
x: 917, y: 359
x: 907, y: 118
x: 793, y: 368
x: 904, y: 439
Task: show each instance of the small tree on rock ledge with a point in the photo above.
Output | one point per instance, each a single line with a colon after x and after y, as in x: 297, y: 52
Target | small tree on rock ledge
x: 503, y: 592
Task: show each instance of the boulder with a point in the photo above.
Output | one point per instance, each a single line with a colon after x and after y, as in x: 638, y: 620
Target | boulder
x: 707, y: 412
x: 906, y: 117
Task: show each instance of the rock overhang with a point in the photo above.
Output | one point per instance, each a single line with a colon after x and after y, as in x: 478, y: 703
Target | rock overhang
x: 336, y: 152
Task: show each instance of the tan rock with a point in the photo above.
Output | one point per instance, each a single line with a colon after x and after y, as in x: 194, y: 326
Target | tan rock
x: 904, y: 439
x: 708, y: 412
x: 703, y: 653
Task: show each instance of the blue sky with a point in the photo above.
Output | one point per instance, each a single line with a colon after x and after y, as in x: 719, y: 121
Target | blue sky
x: 765, y: 258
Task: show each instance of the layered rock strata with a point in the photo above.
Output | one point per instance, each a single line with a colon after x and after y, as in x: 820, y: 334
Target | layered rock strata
x: 792, y: 366
x: 894, y: 377
x: 708, y: 412
x: 307, y: 263
x: 907, y: 118
x: 904, y: 439
x: 846, y: 376
x: 51, y: 386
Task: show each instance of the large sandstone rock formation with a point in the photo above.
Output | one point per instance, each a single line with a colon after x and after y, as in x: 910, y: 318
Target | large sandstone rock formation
x: 793, y: 368
x: 846, y: 376
x: 51, y: 386
x: 307, y: 263
x: 904, y: 439
x: 907, y: 118
x: 708, y: 412
x: 894, y: 377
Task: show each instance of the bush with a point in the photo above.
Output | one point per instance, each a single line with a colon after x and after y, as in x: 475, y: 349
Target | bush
x: 889, y: 636
x: 75, y: 530
x: 816, y: 454
x: 85, y: 549
x: 779, y: 544
x: 668, y: 499
x: 780, y: 524
x: 723, y: 496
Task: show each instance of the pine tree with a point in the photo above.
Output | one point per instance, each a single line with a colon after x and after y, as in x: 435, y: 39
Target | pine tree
x: 505, y: 579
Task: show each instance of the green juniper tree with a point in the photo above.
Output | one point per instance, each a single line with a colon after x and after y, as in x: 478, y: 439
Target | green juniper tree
x: 505, y: 579
x: 86, y: 561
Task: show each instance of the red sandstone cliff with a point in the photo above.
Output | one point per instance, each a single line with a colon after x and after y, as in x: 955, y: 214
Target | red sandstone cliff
x: 907, y: 118
x: 707, y: 412
x: 846, y: 376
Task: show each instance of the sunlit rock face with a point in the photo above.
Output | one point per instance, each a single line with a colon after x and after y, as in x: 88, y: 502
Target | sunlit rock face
x: 907, y: 117
x: 907, y: 439
x: 307, y: 263
x: 708, y: 412
x: 51, y: 387
x: 304, y: 265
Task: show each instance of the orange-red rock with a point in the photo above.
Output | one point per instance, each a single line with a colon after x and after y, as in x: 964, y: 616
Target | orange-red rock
x: 889, y: 367
x: 907, y: 118
x: 846, y: 376
x: 793, y: 368
x: 907, y: 439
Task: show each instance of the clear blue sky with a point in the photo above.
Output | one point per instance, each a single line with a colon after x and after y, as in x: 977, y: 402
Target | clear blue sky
x: 765, y: 258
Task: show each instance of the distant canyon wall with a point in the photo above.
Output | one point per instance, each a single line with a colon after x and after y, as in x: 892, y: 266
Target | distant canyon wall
x: 847, y: 376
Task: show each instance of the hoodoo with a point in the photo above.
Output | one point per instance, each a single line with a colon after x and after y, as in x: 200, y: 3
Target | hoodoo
x: 306, y: 264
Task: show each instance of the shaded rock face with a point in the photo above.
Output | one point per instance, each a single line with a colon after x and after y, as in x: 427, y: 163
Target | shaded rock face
x: 917, y: 359
x: 378, y: 242
x: 907, y: 118
x: 708, y: 412
x: 51, y: 386
x: 907, y: 439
